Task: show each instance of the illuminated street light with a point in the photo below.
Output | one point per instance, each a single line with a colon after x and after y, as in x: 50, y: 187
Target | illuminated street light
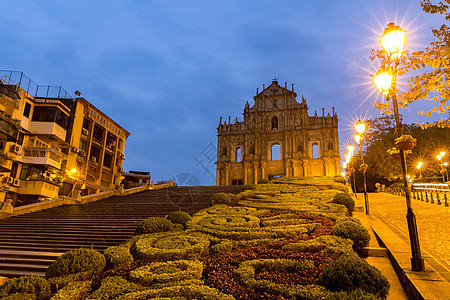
x: 393, y: 41
x: 351, y: 149
x: 360, y: 129
x: 419, y: 165
x: 442, y: 153
x: 441, y: 165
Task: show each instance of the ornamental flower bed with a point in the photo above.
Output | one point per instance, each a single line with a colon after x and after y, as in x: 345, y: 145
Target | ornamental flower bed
x: 274, y: 241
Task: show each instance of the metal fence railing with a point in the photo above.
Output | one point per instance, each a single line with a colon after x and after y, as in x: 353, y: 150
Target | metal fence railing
x: 19, y: 79
x: 431, y: 192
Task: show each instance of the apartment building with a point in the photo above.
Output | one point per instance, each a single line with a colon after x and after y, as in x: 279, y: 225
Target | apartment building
x: 52, y: 143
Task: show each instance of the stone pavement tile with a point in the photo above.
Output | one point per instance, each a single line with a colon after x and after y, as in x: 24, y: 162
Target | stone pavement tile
x: 384, y: 265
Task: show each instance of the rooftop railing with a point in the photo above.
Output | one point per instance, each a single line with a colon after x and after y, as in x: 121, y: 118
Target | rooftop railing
x: 20, y: 80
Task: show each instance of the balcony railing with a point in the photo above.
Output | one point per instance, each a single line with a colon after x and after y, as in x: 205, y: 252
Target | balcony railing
x: 48, y: 128
x: 38, y: 187
x: 44, y: 156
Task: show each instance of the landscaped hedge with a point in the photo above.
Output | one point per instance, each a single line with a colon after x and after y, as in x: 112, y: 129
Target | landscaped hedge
x: 351, y: 273
x: 154, y: 224
x: 76, y: 261
x: 25, y: 286
x: 247, y: 274
x: 344, y: 199
x: 118, y: 256
x: 167, y: 272
x: 331, y: 245
x: 114, y: 286
x: 354, y: 231
x: 74, y: 291
x: 170, y: 246
x: 222, y: 198
x: 200, y: 292
x: 179, y: 217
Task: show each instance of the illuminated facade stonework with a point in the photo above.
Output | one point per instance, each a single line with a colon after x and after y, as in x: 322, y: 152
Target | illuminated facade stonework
x: 248, y: 151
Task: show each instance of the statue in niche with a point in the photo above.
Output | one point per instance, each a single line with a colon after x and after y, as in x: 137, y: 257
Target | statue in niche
x: 251, y: 150
x: 330, y: 145
x: 299, y: 148
x: 224, y: 151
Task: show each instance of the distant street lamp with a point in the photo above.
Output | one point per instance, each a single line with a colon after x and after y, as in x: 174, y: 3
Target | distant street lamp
x: 360, y: 129
x: 441, y: 165
x: 393, y: 41
x: 419, y: 165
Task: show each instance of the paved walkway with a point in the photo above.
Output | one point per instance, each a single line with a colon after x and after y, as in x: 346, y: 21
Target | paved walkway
x: 432, y: 222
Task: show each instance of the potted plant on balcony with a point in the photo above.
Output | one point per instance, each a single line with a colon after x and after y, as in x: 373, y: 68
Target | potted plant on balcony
x: 405, y: 142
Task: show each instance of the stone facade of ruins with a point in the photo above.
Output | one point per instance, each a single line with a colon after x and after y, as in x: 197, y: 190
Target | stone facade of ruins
x: 277, y: 138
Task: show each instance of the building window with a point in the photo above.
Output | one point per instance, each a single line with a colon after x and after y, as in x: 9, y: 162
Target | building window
x: 27, y: 110
x: 238, y: 154
x: 274, y: 122
x: 315, y: 150
x: 276, y: 153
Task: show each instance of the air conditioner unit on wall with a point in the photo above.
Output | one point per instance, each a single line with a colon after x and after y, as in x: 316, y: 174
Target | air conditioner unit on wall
x: 75, y: 149
x: 9, y: 180
x: 85, y: 131
x: 16, y: 182
x: 82, y: 153
x: 16, y: 149
x: 94, y: 159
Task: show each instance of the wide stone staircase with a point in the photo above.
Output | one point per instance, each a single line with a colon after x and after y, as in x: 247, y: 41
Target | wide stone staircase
x: 31, y: 242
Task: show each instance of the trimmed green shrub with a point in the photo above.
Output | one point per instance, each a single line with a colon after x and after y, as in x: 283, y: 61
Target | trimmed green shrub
x: 194, y: 291
x: 77, y: 290
x: 351, y: 273
x: 357, y: 294
x: 170, y: 246
x: 154, y: 224
x: 118, y: 256
x: 179, y: 217
x: 350, y: 219
x: 167, y: 272
x: 340, y: 179
x: 24, y: 286
x: 263, y: 181
x: 57, y: 283
x: 248, y: 187
x: 354, y: 231
x: 113, y: 287
x: 344, y: 199
x: 75, y: 261
x: 20, y: 296
x: 222, y: 198
x: 331, y: 245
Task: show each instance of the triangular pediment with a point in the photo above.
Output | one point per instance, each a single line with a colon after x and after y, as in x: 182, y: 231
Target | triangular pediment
x: 274, y: 89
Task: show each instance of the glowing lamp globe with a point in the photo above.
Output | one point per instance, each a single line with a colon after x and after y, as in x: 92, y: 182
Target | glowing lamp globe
x: 357, y: 138
x: 351, y: 148
x: 383, y: 81
x: 393, y: 41
x: 360, y: 127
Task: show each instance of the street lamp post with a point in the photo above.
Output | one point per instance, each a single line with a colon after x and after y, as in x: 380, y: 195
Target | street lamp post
x: 360, y: 129
x: 393, y: 41
x: 351, y: 150
x: 440, y: 156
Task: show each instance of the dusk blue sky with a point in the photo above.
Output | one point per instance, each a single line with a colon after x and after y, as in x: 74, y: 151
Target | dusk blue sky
x: 167, y: 70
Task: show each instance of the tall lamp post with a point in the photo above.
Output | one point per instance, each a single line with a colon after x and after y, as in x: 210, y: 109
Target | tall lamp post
x: 441, y: 165
x: 360, y: 129
x: 393, y: 41
x: 350, y: 152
